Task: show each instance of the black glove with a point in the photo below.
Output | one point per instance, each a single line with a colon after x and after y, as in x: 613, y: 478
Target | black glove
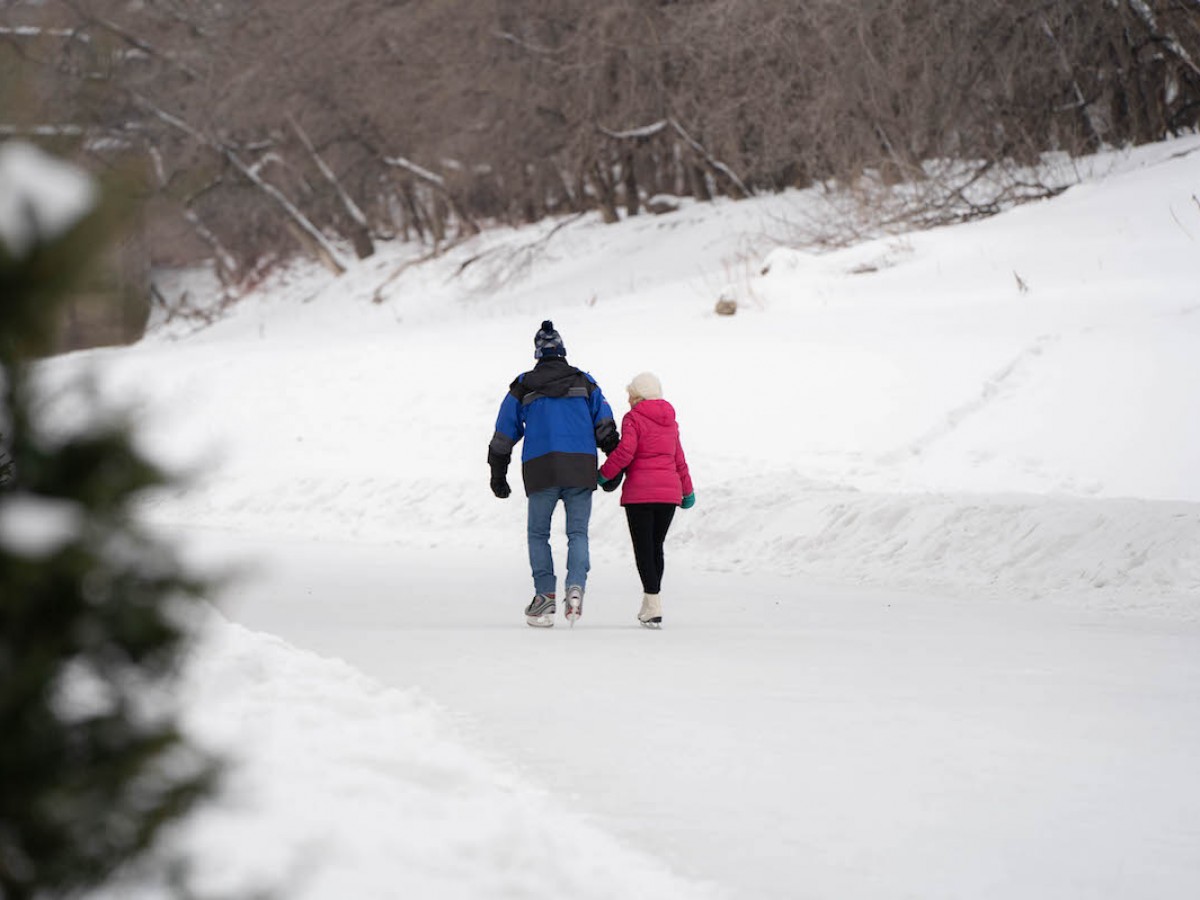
x: 613, y: 483
x: 499, y: 466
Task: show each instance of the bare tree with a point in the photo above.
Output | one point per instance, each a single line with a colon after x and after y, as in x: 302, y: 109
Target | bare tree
x: 332, y: 124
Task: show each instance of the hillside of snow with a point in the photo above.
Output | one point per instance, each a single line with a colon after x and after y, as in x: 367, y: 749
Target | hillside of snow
x: 866, y: 415
x: 987, y: 434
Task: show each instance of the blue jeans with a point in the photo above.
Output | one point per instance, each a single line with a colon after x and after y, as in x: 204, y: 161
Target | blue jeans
x: 578, y: 503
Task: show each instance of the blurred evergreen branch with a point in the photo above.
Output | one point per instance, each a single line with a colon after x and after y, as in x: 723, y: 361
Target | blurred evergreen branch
x: 95, y: 616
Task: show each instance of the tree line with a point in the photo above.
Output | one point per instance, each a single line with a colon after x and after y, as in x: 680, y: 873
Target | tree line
x: 269, y: 126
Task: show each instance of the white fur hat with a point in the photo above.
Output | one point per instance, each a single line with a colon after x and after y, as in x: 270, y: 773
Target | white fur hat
x: 645, y: 386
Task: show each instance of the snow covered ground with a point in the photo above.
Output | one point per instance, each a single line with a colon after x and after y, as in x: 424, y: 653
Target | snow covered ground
x: 932, y: 629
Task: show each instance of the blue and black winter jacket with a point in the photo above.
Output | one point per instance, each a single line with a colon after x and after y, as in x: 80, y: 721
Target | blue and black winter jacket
x: 561, y: 413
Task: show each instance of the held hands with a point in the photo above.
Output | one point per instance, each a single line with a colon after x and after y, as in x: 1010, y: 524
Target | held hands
x: 689, y: 501
x: 500, y: 486
x: 610, y: 484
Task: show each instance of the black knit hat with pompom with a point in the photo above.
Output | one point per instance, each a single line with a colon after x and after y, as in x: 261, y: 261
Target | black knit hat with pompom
x: 547, y: 342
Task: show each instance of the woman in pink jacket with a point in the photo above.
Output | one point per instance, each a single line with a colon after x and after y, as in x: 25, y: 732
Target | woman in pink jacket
x: 656, y: 482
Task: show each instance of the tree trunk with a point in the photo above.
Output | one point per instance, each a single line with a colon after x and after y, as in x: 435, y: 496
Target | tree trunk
x: 632, y: 200
x: 1086, y: 123
x: 605, y: 194
x: 530, y: 209
x: 567, y: 198
x: 581, y: 189
x: 319, y: 250
x: 412, y: 209
x: 437, y: 221
x: 698, y: 182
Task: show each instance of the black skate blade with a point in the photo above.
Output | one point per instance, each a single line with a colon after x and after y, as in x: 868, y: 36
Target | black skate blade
x: 655, y: 623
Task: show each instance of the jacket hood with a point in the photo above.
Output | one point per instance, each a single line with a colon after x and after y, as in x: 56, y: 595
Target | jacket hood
x: 553, y: 376
x: 658, y: 411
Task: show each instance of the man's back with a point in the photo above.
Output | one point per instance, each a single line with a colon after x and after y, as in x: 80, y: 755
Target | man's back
x: 563, y: 417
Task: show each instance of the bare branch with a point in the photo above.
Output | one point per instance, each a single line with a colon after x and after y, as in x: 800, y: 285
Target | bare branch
x: 351, y: 207
x: 133, y: 40
x: 509, y: 37
x: 324, y: 250
x: 45, y: 130
x: 422, y: 173
x: 715, y: 164
x: 33, y: 32
x: 1146, y: 14
x: 363, y: 245
x: 637, y: 134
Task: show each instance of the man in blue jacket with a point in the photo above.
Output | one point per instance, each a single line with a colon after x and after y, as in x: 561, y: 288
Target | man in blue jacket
x: 563, y: 417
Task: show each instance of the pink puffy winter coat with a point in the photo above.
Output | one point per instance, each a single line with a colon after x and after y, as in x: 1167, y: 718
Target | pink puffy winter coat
x: 656, y: 470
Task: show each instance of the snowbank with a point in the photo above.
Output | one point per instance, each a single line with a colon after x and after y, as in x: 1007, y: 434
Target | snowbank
x: 341, y: 788
x: 1133, y: 556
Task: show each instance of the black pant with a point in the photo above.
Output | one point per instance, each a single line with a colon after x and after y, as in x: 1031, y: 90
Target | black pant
x: 648, y: 526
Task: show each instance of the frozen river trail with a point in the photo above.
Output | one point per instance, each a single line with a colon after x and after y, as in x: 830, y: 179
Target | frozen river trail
x: 783, y: 739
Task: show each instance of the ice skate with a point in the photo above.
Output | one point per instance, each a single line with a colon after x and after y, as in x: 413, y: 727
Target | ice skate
x: 650, y: 614
x: 540, y: 611
x: 574, y: 603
